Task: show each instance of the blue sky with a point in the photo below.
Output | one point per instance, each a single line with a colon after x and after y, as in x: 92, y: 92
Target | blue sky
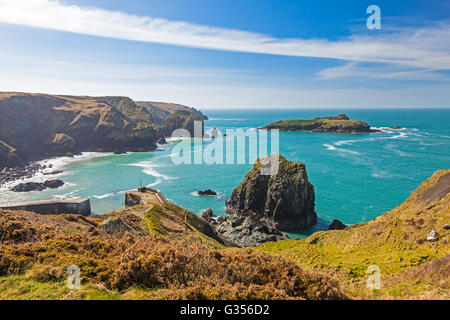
x: 230, y: 54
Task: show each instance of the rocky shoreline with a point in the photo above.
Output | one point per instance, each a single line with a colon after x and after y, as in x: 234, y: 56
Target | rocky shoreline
x: 8, y: 175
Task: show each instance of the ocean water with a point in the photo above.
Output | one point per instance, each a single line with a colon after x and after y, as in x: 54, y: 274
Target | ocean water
x: 356, y: 176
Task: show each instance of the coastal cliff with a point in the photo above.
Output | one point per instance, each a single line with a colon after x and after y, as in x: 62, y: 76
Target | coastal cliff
x: 338, y: 124
x: 153, y: 251
x: 37, y: 126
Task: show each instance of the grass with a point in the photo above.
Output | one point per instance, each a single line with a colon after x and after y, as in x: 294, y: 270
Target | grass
x: 395, y: 242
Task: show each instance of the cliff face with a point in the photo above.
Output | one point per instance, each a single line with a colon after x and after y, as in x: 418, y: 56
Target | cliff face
x: 338, y: 124
x: 180, y: 119
x: 36, y: 126
x: 285, y: 198
x: 161, y: 110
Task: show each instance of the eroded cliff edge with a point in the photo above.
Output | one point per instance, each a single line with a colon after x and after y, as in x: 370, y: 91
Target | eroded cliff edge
x: 37, y: 126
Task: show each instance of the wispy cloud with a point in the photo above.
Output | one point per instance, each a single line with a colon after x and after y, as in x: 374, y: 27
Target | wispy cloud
x: 426, y: 48
x: 355, y: 70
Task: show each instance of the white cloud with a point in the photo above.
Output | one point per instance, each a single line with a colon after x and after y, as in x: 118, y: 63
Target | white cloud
x: 426, y: 48
x: 354, y: 70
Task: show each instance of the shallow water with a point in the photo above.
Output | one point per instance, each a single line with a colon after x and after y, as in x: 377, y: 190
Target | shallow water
x: 356, y: 176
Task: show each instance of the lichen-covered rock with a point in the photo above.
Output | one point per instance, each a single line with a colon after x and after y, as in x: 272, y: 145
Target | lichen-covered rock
x: 115, y: 225
x: 285, y: 198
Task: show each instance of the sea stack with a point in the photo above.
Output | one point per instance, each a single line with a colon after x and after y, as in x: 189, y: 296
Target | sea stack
x: 285, y: 198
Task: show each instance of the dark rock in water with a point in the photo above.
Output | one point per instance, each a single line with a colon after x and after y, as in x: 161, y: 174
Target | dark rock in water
x: 207, y: 192
x: 69, y: 154
x: 29, y: 186
x: 337, y: 225
x: 286, y: 198
x: 161, y: 140
x: 207, y: 214
x: 395, y: 128
x: 119, y: 152
x: 37, y: 186
x: 53, y: 184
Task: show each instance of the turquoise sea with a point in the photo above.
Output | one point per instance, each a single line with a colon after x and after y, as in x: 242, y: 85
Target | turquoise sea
x: 356, y: 176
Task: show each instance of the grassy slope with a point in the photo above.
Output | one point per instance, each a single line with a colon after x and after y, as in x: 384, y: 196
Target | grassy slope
x: 41, y: 247
x: 395, y: 241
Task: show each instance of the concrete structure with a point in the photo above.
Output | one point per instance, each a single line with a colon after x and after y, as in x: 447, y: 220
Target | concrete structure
x: 74, y: 206
x: 144, y: 195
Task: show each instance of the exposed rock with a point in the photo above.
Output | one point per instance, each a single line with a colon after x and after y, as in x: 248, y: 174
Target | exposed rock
x: 207, y: 214
x: 53, y: 184
x: 337, y: 225
x: 53, y: 172
x: 115, y: 225
x: 181, y: 120
x: 263, y: 205
x: 395, y: 128
x: 207, y: 192
x: 338, y: 124
x: 286, y: 197
x: 37, y: 186
x: 446, y: 227
x: 432, y: 235
x: 245, y: 230
x: 161, y: 141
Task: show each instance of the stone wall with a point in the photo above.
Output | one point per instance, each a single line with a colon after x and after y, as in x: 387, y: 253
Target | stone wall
x: 74, y: 206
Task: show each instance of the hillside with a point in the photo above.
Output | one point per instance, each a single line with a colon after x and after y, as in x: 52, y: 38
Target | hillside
x: 164, y: 251
x: 338, y: 124
x: 396, y: 242
x: 142, y: 252
x: 37, y: 126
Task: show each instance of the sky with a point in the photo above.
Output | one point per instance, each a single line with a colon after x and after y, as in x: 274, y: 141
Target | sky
x: 231, y: 54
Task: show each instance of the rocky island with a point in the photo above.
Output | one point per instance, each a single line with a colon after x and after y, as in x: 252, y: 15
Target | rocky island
x: 337, y: 124
x: 264, y: 205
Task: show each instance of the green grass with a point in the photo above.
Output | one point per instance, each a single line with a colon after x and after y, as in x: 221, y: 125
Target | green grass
x: 18, y: 288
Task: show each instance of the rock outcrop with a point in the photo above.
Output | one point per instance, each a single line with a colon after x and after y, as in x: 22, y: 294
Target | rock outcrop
x: 338, y: 124
x: 207, y: 192
x: 180, y: 120
x: 37, y: 186
x: 264, y: 205
x: 337, y: 225
x: 115, y: 225
x: 285, y: 198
